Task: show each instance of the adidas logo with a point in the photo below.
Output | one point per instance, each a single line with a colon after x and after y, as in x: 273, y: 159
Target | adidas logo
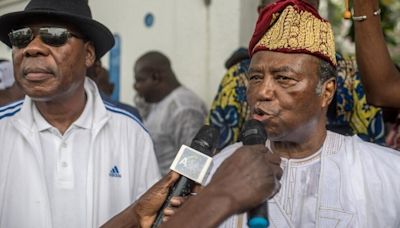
x: 114, y: 172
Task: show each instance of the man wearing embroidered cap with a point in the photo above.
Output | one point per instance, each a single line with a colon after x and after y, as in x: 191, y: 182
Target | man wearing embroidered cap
x: 329, y: 180
x: 67, y: 159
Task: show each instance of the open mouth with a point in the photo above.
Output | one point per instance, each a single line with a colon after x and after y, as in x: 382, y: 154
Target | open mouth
x: 260, y: 115
x: 263, y: 113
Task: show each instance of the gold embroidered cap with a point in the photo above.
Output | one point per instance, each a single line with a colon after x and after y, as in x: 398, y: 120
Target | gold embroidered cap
x: 293, y: 26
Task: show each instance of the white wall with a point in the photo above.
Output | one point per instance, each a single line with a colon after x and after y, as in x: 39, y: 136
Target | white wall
x: 5, y: 52
x: 197, y: 38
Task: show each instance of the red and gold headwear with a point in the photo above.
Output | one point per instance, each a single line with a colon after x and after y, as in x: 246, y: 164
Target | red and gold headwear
x: 293, y: 26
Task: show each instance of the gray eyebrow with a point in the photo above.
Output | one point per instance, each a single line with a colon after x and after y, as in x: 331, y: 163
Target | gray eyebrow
x: 258, y: 69
x: 283, y: 69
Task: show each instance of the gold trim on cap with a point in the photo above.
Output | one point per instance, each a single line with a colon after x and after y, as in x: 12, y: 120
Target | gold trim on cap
x: 299, y: 31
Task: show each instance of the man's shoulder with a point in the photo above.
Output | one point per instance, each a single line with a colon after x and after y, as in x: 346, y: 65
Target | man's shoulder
x: 185, y: 99
x: 9, y: 111
x: 221, y: 156
x: 122, y: 117
x: 375, y: 150
x: 130, y: 109
x: 372, y: 158
x: 184, y: 94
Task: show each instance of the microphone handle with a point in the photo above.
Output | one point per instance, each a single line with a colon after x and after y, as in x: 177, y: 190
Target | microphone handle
x: 182, y: 188
x: 258, y: 216
x: 253, y: 133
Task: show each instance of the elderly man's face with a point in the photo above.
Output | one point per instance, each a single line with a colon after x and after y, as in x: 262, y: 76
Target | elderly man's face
x: 282, y: 94
x: 49, y: 73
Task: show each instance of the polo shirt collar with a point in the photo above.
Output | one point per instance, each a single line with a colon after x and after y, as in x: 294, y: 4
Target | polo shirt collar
x: 84, y: 121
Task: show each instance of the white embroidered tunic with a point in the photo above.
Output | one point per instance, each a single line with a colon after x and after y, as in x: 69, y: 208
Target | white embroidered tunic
x: 348, y: 183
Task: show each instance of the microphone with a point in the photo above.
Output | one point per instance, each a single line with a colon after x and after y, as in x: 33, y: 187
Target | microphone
x: 253, y: 133
x: 193, y: 163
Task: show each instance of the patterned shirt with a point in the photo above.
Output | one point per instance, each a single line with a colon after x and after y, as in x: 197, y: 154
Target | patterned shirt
x: 229, y: 109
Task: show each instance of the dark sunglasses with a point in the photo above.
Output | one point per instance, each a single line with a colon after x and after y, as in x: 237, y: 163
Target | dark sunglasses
x: 53, y: 36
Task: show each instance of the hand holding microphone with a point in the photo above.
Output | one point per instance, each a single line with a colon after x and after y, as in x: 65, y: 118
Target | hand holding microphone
x: 242, y: 181
x: 247, y: 177
x: 144, y: 210
x: 253, y: 133
x: 193, y: 163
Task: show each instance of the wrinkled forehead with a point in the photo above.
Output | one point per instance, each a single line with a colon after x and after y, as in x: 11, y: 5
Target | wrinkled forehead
x: 272, y: 60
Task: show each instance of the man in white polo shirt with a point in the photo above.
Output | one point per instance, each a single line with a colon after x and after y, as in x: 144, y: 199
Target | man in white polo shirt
x: 67, y: 158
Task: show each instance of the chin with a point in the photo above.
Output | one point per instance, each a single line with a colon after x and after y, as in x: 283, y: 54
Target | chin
x: 40, y: 98
x: 274, y: 136
x: 40, y: 95
x: 278, y: 136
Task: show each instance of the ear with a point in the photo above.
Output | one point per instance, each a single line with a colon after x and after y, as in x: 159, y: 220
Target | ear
x: 90, y: 54
x: 328, y: 92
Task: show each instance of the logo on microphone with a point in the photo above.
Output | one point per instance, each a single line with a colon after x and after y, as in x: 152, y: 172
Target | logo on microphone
x: 192, y: 164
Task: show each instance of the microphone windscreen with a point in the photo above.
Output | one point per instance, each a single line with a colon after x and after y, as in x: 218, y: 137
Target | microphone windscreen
x: 206, y: 140
x: 253, y: 132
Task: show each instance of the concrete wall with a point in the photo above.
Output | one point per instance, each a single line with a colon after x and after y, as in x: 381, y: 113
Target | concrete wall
x: 10, y: 6
x: 197, y: 37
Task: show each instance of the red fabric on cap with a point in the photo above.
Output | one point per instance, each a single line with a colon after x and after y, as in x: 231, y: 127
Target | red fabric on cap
x: 265, y: 17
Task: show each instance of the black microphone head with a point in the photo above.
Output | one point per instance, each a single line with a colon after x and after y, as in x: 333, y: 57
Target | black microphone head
x: 253, y: 132
x: 206, y: 140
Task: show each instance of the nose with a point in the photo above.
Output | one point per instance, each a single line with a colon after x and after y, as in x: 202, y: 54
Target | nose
x: 266, y: 89
x: 135, y: 86
x: 36, y: 48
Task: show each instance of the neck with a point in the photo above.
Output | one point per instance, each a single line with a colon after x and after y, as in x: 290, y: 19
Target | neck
x: 297, y: 150
x: 62, y: 113
x: 166, y: 90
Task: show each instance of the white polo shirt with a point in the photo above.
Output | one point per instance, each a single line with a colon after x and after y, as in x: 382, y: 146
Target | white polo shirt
x: 47, y: 183
x: 65, y: 166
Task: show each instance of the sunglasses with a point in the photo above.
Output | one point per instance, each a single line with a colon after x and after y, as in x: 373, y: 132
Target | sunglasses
x: 53, y: 36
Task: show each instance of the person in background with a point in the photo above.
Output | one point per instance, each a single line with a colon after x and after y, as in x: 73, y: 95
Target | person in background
x: 349, y: 113
x: 379, y: 74
x: 100, y: 76
x: 229, y: 109
x: 9, y: 91
x: 67, y: 158
x: 175, y: 113
x: 329, y: 179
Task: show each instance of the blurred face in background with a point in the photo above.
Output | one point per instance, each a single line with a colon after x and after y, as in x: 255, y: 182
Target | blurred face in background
x: 145, y: 81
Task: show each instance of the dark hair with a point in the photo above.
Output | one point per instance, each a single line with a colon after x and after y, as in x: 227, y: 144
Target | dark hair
x: 326, y: 71
x: 236, y: 57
